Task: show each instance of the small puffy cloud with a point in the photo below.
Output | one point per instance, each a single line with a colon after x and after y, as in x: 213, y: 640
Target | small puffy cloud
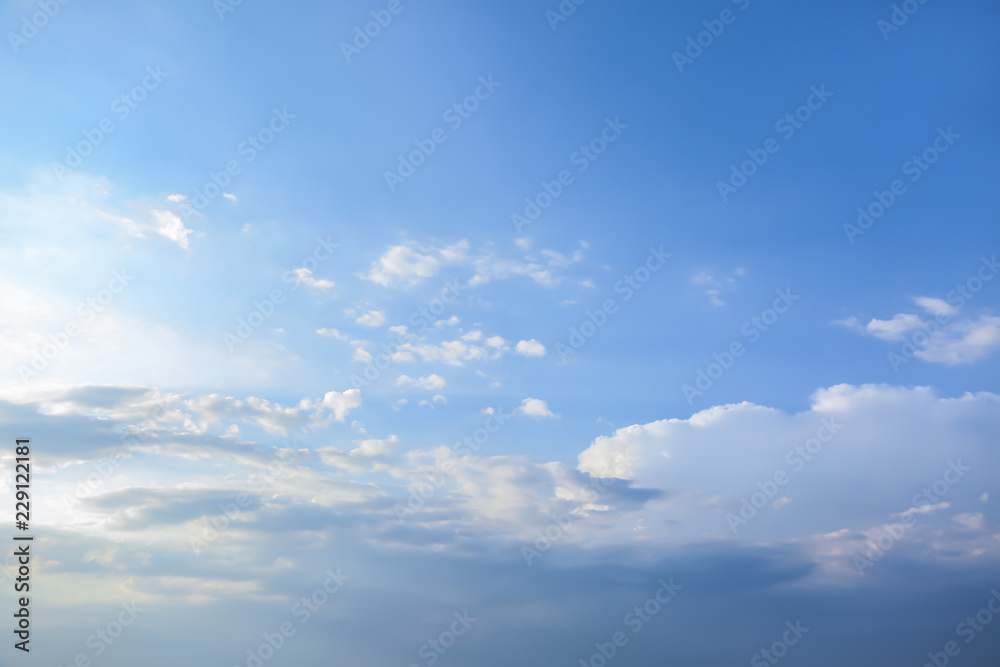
x: 535, y: 407
x: 430, y: 383
x: 305, y: 276
x: 530, y: 348
x: 362, y: 355
x: 231, y: 197
x: 373, y: 318
x: 168, y: 225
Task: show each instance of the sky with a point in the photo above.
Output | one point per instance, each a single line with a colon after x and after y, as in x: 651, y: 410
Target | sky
x: 547, y: 333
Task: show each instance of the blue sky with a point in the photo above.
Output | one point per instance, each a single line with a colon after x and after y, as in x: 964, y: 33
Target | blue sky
x: 314, y: 336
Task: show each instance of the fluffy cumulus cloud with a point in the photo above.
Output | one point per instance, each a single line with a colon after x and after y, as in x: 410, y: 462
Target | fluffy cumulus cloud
x: 535, y: 407
x: 530, y: 348
x: 746, y: 471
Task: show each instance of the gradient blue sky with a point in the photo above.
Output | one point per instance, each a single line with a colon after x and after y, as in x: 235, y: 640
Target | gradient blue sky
x: 202, y: 419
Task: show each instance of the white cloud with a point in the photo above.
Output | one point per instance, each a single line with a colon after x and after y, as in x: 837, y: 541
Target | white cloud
x: 936, y: 306
x: 496, y: 342
x: 942, y: 339
x: 894, y: 330
x: 373, y: 318
x: 838, y: 448
x: 530, y: 348
x: 407, y: 265
x: 453, y: 352
x: 965, y: 341
x: 332, y: 333
x: 430, y: 383
x: 305, y: 276
x: 714, y: 286
x: 404, y: 266
x: 172, y: 227
x: 970, y: 521
x: 535, y: 407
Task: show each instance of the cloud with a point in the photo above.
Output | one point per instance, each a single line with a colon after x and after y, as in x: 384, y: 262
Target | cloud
x: 429, y: 383
x: 407, y: 265
x: 305, y: 276
x: 894, y: 330
x: 943, y: 339
x: 332, y: 333
x: 404, y: 266
x: 535, y: 407
x: 713, y: 287
x: 372, y: 318
x: 530, y: 348
x: 453, y: 352
x: 836, y: 449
